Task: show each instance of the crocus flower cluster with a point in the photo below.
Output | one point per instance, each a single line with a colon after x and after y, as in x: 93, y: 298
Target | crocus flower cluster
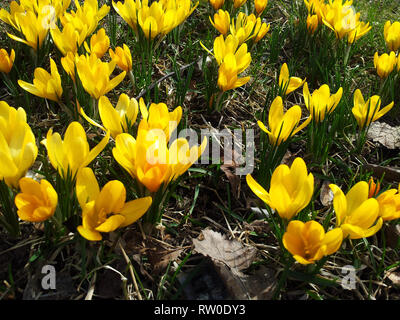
x: 157, y: 18
x: 340, y: 17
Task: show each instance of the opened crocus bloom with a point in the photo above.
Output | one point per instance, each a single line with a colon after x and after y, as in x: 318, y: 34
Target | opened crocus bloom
x: 122, y: 57
x: 389, y: 204
x: 282, y: 125
x: 384, y: 64
x: 221, y: 21
x: 367, y: 112
x: 86, y: 18
x: 356, y: 214
x: 308, y: 242
x: 68, y: 156
x: 158, y: 117
x: 69, y: 39
x: 228, y: 73
x: 246, y: 27
x: 18, y: 149
x: 105, y: 210
x: 6, y: 60
x: 95, y: 75
x: 150, y: 161
x: 392, y: 35
x: 37, y: 201
x: 321, y: 102
x: 99, y: 43
x: 157, y: 19
x: 286, y: 83
x: 116, y: 120
x: 45, y: 85
x: 290, y: 190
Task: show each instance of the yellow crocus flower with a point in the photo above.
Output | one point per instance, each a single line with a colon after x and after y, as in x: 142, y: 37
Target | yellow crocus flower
x: 385, y: 63
x: 316, y: 7
x: 11, y: 17
x: 95, y: 75
x: 283, y: 125
x: 392, y: 35
x: 122, y: 57
x: 150, y: 161
x: 99, y: 43
x: 221, y: 21
x: 321, y: 102
x: 287, y: 83
x: 217, y: 4
x: 37, y: 201
x: 128, y: 11
x: 18, y: 149
x: 367, y: 112
x: 228, y: 74
x: 308, y: 242
x: 6, y: 60
x: 105, y: 210
x: 86, y: 18
x: 45, y: 85
x: 260, y: 6
x: 68, y: 62
x: 69, y: 39
x: 389, y: 204
x: 32, y: 27
x: 238, y: 3
x: 312, y: 23
x: 356, y: 214
x: 290, y: 189
x: 68, y: 156
x: 158, y: 117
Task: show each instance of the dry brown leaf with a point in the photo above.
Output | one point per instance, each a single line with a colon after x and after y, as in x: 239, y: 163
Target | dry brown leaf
x: 230, y: 252
x: 389, y: 173
x: 392, y: 234
x: 326, y: 194
x: 385, y: 134
x: 161, y: 259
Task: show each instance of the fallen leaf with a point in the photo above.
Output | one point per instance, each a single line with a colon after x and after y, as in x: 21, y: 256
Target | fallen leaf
x: 385, y: 134
x: 161, y: 258
x: 230, y: 252
x: 326, y: 194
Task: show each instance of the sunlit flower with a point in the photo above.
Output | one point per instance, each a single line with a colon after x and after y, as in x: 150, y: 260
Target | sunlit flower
x: 290, y: 190
x: 228, y: 74
x: 369, y: 111
x: 286, y: 83
x: 37, y: 201
x: 68, y: 62
x: 392, y: 35
x: 95, y: 75
x: 245, y: 27
x: 308, y: 242
x: 385, y: 63
x: 221, y: 21
x: 122, y: 57
x: 157, y: 116
x: 283, y: 125
x: 312, y: 23
x: 356, y: 214
x: 148, y: 159
x: 68, y: 156
x: 321, y: 102
x: 99, y: 43
x: 69, y: 39
x: 18, y: 149
x: 217, y: 4
x: 105, y: 210
x: 260, y: 6
x: 389, y: 204
x: 45, y: 85
x: 6, y: 60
